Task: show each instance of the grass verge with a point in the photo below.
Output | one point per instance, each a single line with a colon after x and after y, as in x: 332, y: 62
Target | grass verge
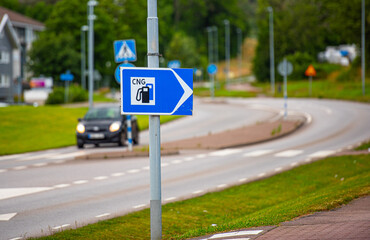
x: 322, y: 185
x: 26, y: 128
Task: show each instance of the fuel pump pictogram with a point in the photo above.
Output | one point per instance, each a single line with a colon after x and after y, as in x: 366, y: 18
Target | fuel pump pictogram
x: 142, y: 91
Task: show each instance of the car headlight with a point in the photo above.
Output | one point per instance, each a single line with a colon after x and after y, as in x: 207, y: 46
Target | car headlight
x: 114, y: 127
x: 80, y: 128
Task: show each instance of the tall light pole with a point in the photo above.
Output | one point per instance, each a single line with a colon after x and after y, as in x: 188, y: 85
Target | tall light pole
x: 227, y: 50
x: 215, y: 30
x: 91, y: 17
x: 210, y: 45
x: 84, y: 29
x: 272, y: 60
x: 363, y: 47
x: 240, y: 51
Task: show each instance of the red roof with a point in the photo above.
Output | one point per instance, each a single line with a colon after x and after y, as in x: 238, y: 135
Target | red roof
x: 19, y: 18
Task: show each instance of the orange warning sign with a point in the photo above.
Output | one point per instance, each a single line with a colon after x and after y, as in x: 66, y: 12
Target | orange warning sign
x: 310, y: 71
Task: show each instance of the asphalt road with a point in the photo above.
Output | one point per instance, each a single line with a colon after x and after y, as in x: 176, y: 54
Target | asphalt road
x: 47, y: 191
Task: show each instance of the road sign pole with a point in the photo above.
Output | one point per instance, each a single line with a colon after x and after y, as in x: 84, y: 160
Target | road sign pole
x: 212, y: 86
x: 154, y: 130
x: 91, y: 18
x: 272, y: 60
x: 310, y: 86
x: 227, y: 50
x: 363, y: 47
x: 66, y: 90
x: 285, y: 89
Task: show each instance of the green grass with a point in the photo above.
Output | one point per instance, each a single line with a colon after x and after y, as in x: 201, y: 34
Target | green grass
x: 26, y: 128
x: 364, y: 146
x: 322, y: 185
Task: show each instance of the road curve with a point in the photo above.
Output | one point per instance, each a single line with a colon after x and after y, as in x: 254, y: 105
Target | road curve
x: 44, y: 192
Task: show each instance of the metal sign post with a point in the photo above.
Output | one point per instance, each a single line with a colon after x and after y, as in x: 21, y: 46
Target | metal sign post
x: 66, y: 77
x: 154, y: 130
x: 212, y: 70
x: 285, y: 68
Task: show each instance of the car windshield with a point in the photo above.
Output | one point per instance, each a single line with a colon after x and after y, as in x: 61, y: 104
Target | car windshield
x: 102, y: 113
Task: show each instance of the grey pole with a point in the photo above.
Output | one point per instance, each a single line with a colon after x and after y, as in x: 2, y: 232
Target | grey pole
x: 84, y: 28
x: 227, y: 50
x: 363, y: 47
x: 210, y: 45
x: 285, y: 88
x: 272, y: 60
x: 91, y: 18
x: 154, y: 130
x: 240, y: 52
x: 215, y: 29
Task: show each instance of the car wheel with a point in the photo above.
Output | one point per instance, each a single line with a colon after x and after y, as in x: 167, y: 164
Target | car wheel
x: 80, y: 145
x: 122, y: 140
x: 135, y: 139
x: 96, y: 144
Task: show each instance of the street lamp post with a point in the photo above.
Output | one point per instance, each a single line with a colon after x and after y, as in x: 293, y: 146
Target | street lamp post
x: 272, y: 60
x: 84, y: 29
x: 215, y: 29
x: 227, y: 50
x: 363, y: 46
x: 91, y: 17
x: 240, y: 51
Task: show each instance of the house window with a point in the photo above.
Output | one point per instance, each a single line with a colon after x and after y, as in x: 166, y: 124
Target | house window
x: 4, y: 57
x: 4, y: 81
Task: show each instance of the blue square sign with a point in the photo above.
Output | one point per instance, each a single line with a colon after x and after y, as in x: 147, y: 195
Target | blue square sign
x: 124, y: 50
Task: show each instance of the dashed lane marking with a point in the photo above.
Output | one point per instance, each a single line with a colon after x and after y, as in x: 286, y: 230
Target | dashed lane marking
x: 6, y: 193
x: 16, y: 238
x: 258, y: 153
x: 63, y: 185
x: 262, y: 174
x: 176, y: 161
x: 235, y: 234
x: 222, y: 186
x: 3, y: 170
x: 118, y: 174
x: 80, y: 182
x: 139, y: 206
x: 321, y: 154
x: 198, y: 191
x: 19, y: 168
x: 61, y: 227
x: 133, y: 171
x: 103, y: 215
x: 225, y: 152
x: 289, y: 153
x: 100, y: 178
x: 39, y: 164
x: 170, y: 199
x: 278, y: 169
x: 243, y: 179
x: 7, y: 216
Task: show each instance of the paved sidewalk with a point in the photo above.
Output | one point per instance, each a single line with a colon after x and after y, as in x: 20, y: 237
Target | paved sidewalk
x: 349, y: 222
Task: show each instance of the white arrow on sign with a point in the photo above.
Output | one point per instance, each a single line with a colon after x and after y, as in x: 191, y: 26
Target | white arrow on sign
x: 7, y: 217
x: 187, y: 91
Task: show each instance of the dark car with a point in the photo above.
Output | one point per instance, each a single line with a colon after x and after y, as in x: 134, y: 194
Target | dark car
x: 105, y: 125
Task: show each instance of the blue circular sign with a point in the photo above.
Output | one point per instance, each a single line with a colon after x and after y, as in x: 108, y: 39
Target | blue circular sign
x: 116, y: 72
x: 212, y: 69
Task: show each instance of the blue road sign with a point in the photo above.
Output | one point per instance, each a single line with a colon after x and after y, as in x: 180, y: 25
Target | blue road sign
x: 156, y: 91
x: 124, y: 50
x: 174, y: 64
x: 68, y: 76
x: 116, y: 72
x: 212, y: 69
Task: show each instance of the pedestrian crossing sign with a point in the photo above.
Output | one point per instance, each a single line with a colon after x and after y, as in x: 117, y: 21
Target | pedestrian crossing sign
x: 124, y: 50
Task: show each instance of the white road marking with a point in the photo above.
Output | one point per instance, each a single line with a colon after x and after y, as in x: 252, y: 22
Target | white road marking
x: 294, y: 164
x: 289, y: 153
x: 100, y: 178
x: 63, y: 185
x: 37, y: 156
x: 61, y: 227
x: 3, y: 170
x: 308, y: 160
x: 278, y: 169
x: 188, y: 159
x: 164, y: 164
x: 6, y: 193
x: 7, y: 216
x: 176, y: 161
x: 103, y: 215
x: 80, y: 182
x: 262, y: 174
x: 243, y: 179
x: 258, y: 153
x: 39, y: 164
x: 225, y: 152
x: 133, y: 171
x: 222, y: 186
x: 236, y: 234
x: 146, y: 168
x: 170, y: 199
x: 139, y: 206
x: 19, y: 168
x: 198, y: 191
x: 321, y: 154
x: 67, y: 155
x: 17, y: 238
x: 117, y: 174
x: 201, y: 155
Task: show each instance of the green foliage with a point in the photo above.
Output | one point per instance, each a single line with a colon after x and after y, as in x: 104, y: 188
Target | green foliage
x: 37, y: 10
x: 183, y: 48
x: 307, y: 27
x: 75, y: 94
x: 300, y: 62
